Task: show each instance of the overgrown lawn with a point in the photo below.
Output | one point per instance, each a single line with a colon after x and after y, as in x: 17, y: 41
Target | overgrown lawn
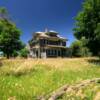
x: 28, y: 79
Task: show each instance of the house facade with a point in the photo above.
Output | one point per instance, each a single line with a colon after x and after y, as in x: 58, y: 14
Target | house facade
x: 47, y: 44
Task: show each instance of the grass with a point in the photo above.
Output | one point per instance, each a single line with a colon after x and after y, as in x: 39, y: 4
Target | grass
x: 28, y: 79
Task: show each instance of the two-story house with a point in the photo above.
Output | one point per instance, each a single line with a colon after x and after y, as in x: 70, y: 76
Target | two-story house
x: 47, y: 44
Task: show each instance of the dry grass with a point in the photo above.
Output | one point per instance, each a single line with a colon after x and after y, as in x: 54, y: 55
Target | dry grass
x: 75, y: 63
x: 42, y: 76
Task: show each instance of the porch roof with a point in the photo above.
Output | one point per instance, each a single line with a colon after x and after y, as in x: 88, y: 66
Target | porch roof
x: 56, y: 46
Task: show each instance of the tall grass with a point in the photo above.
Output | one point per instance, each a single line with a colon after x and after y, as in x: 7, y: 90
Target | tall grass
x: 22, y: 79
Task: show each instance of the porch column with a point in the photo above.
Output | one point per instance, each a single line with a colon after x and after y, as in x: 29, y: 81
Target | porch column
x: 35, y: 53
x: 57, y: 52
x: 39, y: 53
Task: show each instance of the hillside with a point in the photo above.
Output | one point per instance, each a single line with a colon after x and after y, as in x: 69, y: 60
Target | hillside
x: 29, y: 79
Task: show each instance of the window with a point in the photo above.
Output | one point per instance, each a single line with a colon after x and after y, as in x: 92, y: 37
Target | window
x: 42, y: 42
x: 55, y: 52
x: 64, y: 43
x: 58, y: 52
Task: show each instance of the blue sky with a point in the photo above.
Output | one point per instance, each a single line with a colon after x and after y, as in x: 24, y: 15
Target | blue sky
x: 36, y: 15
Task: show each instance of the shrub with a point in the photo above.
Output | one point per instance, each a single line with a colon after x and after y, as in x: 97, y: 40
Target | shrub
x: 79, y: 49
x: 76, y: 48
x: 15, y: 54
x: 24, y: 53
x: 99, y: 55
x: 85, y: 52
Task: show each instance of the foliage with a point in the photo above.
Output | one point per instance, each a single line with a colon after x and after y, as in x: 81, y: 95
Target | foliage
x: 97, y: 32
x: 24, y: 53
x: 3, y: 13
x: 15, y: 54
x: 85, y: 52
x: 88, y: 25
x: 76, y: 48
x: 9, y: 35
x: 79, y: 48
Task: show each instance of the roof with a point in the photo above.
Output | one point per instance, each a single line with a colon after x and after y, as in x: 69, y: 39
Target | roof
x: 53, y: 31
x: 56, y: 46
x: 47, y: 35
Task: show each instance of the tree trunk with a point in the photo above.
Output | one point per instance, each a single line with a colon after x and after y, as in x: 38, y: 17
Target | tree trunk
x: 8, y: 56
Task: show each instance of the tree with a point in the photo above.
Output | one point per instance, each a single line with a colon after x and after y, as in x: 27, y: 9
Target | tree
x: 9, y: 35
x: 24, y: 53
x: 76, y: 48
x: 3, y: 13
x: 79, y: 48
x: 88, y: 25
x: 15, y: 54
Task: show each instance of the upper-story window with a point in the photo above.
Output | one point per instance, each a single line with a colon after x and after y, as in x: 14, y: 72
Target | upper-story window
x: 63, y: 43
x: 42, y: 42
x: 50, y: 42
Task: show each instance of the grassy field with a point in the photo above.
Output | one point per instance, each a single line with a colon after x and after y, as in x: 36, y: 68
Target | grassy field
x: 28, y: 79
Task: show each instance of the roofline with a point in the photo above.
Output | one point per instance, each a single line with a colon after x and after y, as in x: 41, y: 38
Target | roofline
x: 36, y: 33
x: 54, y: 38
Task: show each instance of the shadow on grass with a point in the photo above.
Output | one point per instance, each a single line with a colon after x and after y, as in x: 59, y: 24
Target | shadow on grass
x: 94, y: 61
x: 0, y: 64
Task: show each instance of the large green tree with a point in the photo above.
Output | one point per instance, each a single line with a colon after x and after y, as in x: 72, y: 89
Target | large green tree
x: 9, y: 35
x: 88, y: 25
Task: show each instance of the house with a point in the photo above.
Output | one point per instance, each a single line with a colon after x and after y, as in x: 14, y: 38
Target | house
x: 47, y: 44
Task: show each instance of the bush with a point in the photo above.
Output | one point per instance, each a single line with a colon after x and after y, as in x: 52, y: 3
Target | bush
x: 15, y: 54
x: 99, y: 55
x: 24, y: 53
x: 80, y: 50
x: 76, y: 48
x: 85, y: 52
